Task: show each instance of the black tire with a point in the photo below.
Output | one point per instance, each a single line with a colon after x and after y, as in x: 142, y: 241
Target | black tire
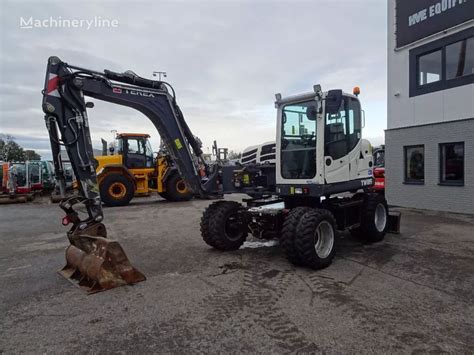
x: 307, y: 238
x: 288, y: 232
x: 216, y: 230
x: 205, y: 220
x: 163, y: 195
x: 372, y: 229
x: 176, y: 189
x: 116, y: 190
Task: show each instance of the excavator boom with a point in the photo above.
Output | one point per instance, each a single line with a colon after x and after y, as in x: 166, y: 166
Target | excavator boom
x: 65, y: 108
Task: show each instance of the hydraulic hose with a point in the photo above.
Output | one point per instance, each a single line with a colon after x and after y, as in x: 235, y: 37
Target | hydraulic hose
x: 130, y: 77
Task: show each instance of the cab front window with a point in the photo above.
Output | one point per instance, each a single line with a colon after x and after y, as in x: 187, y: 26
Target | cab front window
x: 298, y: 140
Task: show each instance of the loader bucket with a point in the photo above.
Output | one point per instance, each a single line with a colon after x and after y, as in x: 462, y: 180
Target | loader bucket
x: 97, y: 264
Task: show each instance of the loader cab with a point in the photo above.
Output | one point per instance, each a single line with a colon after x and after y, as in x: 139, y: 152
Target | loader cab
x: 136, y: 150
x: 319, y: 144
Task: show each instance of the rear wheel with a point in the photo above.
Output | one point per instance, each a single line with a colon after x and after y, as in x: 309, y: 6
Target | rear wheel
x: 288, y: 233
x: 116, y: 190
x: 374, y: 220
x: 316, y: 238
x: 222, y: 227
x: 176, y: 189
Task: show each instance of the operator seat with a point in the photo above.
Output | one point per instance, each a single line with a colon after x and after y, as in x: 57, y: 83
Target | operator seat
x: 336, y: 140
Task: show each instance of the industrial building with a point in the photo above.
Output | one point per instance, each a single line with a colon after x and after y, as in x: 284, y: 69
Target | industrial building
x: 430, y: 133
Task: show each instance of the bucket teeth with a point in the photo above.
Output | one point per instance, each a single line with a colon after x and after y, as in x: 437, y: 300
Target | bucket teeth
x: 98, y: 264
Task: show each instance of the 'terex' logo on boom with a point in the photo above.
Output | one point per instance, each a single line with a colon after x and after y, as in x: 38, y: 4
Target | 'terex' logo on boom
x: 132, y: 92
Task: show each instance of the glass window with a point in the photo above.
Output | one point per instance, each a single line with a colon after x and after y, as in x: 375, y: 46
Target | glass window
x: 19, y: 172
x: 134, y: 146
x: 460, y: 59
x: 342, y: 132
x: 298, y: 140
x: 354, y: 122
x: 429, y: 68
x: 442, y: 64
x: 44, y: 168
x: 34, y: 173
x: 379, y: 158
x: 148, y: 153
x: 452, y: 163
x: 415, y: 164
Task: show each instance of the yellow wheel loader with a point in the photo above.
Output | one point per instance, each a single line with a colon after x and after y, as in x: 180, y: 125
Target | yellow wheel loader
x: 132, y: 170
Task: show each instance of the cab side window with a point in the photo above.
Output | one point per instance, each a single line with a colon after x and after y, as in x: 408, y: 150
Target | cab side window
x: 342, y: 130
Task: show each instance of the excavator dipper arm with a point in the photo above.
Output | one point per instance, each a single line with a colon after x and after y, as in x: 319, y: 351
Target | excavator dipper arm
x: 66, y: 118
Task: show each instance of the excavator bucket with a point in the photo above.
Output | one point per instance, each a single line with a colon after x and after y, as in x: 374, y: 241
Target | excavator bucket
x: 96, y: 264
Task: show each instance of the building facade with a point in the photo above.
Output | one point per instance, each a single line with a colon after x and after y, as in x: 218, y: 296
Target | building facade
x: 429, y: 156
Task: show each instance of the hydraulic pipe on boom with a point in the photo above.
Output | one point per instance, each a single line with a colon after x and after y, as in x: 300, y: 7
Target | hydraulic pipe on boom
x: 98, y: 263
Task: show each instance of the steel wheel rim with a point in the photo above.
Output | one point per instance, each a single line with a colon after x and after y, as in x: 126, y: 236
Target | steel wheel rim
x: 324, y: 242
x: 181, y: 187
x: 232, y: 228
x: 380, y: 217
x: 117, y: 190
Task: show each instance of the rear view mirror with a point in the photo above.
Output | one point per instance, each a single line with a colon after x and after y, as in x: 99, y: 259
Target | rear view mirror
x: 333, y: 101
x: 311, y: 113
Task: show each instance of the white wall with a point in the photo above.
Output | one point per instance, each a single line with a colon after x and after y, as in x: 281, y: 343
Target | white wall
x: 452, y: 104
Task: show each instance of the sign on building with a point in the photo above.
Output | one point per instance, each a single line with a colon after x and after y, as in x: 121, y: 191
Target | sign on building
x: 417, y: 19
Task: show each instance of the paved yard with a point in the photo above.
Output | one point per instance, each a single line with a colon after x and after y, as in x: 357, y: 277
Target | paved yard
x: 411, y: 293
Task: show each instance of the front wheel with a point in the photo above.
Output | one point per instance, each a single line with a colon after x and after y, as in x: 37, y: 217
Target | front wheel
x: 116, y: 190
x: 316, y: 238
x: 222, y: 226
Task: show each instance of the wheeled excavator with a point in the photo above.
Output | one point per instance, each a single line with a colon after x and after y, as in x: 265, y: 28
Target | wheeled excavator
x: 319, y: 154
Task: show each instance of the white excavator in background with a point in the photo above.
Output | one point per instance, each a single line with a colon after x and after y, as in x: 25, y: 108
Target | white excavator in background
x: 264, y: 153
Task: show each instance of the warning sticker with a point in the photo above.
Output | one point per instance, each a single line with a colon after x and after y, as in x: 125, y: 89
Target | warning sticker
x: 178, y: 144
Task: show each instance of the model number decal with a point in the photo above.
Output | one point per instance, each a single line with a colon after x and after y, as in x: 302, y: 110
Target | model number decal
x: 366, y: 182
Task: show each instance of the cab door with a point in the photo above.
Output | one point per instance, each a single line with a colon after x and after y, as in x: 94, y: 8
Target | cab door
x: 336, y: 160
x: 138, y: 157
x: 342, y: 137
x: 134, y: 153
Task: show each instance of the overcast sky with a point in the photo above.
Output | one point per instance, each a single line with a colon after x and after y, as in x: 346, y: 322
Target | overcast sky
x: 225, y: 59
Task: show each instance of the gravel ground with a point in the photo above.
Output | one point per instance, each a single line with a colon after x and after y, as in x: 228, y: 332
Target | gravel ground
x: 412, y: 292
